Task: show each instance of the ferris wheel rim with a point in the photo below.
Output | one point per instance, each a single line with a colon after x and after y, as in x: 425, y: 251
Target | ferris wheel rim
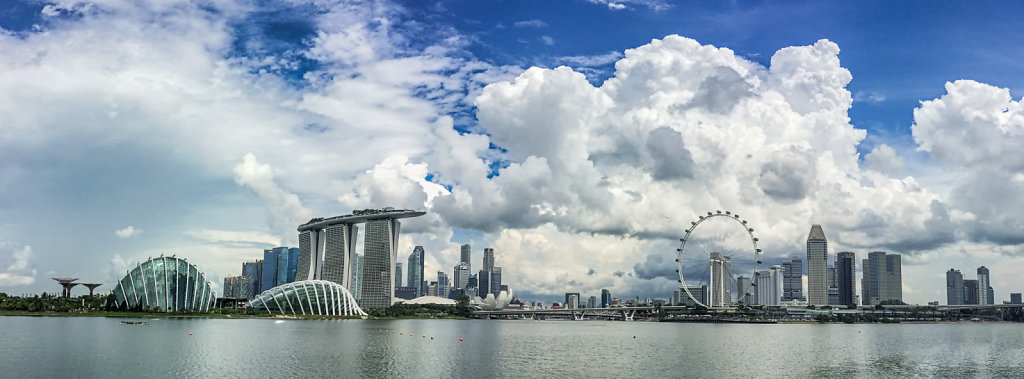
x: 686, y: 236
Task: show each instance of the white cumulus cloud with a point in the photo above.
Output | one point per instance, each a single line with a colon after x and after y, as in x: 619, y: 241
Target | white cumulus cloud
x: 20, y: 271
x: 127, y: 232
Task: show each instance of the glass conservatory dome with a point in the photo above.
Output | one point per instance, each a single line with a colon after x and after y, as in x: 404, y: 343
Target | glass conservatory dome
x: 166, y: 284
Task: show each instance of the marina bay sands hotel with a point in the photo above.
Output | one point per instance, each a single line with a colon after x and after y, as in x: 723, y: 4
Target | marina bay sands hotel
x: 327, y: 247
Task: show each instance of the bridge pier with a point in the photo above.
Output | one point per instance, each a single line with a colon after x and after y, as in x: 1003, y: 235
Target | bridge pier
x: 628, y: 315
x: 578, y: 315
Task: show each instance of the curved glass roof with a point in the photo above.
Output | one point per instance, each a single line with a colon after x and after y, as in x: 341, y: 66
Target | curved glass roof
x: 308, y: 297
x: 168, y: 283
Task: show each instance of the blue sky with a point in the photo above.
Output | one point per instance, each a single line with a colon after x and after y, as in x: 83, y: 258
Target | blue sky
x: 210, y: 129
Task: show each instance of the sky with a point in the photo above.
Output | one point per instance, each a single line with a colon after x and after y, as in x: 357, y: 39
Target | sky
x: 578, y: 138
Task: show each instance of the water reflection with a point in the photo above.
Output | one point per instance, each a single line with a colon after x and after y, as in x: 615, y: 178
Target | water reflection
x: 99, y: 347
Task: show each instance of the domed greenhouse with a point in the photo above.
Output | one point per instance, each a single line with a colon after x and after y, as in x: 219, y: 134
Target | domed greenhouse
x: 308, y: 297
x: 167, y: 284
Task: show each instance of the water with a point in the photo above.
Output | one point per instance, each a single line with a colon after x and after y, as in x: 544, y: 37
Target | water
x: 84, y: 347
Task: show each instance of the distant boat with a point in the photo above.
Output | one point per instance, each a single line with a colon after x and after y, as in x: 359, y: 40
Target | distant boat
x: 134, y: 323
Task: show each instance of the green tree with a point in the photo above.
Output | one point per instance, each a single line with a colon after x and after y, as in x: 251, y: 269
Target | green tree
x: 462, y: 306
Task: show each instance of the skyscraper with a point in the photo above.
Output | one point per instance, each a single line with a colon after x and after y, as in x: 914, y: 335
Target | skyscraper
x: 893, y: 278
x: 882, y: 278
x: 415, y: 269
x: 442, y: 284
x: 461, y: 276
x: 283, y: 265
x: 606, y: 298
x: 326, y: 253
x: 846, y: 276
x: 381, y: 252
x: 483, y: 281
x: 327, y: 245
x: 271, y: 263
x: 833, y: 290
x: 592, y: 302
x: 744, y: 290
x: 495, y: 282
x: 337, y: 246
x: 571, y: 298
x: 817, y: 264
x: 793, y: 279
x: 985, y: 292
x: 769, y: 285
x: 954, y: 287
x: 971, y: 290
x: 720, y: 280
x: 293, y: 263
x: 471, y: 286
x: 466, y: 255
x: 398, y: 274
x: 488, y: 259
x: 253, y: 271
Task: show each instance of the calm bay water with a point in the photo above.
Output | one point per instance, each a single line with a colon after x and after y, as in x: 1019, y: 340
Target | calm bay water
x: 51, y: 347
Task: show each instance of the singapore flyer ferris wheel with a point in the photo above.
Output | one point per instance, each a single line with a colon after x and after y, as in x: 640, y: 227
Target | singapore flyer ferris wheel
x: 717, y: 261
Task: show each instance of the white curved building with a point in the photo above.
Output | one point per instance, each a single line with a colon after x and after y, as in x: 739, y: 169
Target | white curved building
x: 430, y: 300
x: 165, y: 284
x: 491, y: 302
x: 308, y: 297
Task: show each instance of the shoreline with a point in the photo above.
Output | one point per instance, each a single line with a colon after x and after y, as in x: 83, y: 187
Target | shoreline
x: 128, y: 315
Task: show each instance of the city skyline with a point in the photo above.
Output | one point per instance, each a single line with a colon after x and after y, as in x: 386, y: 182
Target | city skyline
x: 579, y: 154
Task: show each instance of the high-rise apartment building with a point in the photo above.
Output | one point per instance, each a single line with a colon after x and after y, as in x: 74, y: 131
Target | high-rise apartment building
x: 606, y: 298
x: 846, y: 276
x: 817, y: 267
x: 954, y: 287
x: 415, y: 269
x: 793, y: 279
x: 985, y: 293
